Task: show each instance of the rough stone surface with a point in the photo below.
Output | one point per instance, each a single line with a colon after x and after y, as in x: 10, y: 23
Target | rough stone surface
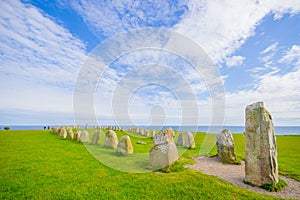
x: 180, y: 140
x: 111, y: 140
x: 225, y: 144
x: 60, y: 131
x: 77, y: 136
x: 189, y: 141
x: 261, y: 165
x: 171, y: 133
x: 84, y: 136
x: 64, y: 133
x: 164, y: 151
x: 70, y: 134
x: 125, y: 146
x: 96, y: 137
x: 55, y: 130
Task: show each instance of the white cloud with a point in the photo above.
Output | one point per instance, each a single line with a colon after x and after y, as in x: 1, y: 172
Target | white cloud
x: 280, y: 92
x: 39, y: 62
x: 221, y: 27
x: 234, y: 61
x: 292, y: 55
x: 278, y: 8
x: 270, y: 48
x: 109, y: 18
x: 36, y: 48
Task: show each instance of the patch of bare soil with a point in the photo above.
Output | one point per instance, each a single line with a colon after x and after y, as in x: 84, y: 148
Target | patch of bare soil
x: 235, y: 174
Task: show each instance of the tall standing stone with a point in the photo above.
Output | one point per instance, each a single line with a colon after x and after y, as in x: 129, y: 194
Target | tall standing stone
x: 260, y: 152
x: 111, y: 140
x: 225, y: 146
x: 180, y: 140
x: 96, y: 137
x: 189, y: 141
x: 84, y: 136
x: 125, y: 146
x: 164, y: 151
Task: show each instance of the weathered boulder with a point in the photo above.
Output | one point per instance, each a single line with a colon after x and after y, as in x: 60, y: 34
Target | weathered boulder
x: 180, y: 140
x: 96, y: 137
x: 170, y: 133
x: 55, y: 130
x: 225, y: 144
x: 125, y: 146
x: 111, y: 140
x: 84, y: 136
x: 189, y: 141
x: 70, y: 134
x: 164, y: 151
x: 261, y: 165
x: 60, y: 131
x: 77, y: 136
x: 64, y: 133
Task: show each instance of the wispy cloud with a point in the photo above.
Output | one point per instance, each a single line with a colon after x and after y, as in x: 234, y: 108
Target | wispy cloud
x: 40, y: 58
x: 35, y: 47
x: 270, y: 48
x: 234, y: 61
x: 39, y: 61
x: 280, y: 92
x: 292, y: 56
x: 110, y: 17
x: 221, y: 27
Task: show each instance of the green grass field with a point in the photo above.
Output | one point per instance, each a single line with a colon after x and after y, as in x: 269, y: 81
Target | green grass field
x: 41, y: 165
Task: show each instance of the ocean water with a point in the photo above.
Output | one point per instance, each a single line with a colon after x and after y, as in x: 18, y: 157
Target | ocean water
x: 279, y: 130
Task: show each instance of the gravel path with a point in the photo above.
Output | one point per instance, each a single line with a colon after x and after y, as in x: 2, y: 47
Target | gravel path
x: 236, y: 173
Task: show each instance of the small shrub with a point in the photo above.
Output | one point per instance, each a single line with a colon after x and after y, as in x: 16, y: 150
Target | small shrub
x: 6, y: 128
x: 274, y: 187
x: 271, y: 187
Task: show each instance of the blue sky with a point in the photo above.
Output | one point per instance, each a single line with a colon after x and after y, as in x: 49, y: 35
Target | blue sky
x: 255, y: 46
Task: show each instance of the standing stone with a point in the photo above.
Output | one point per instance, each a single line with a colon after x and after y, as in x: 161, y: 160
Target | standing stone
x: 77, y: 136
x: 86, y: 126
x: 153, y: 133
x: 225, y: 146
x: 55, y: 130
x: 84, y: 136
x: 96, y: 137
x: 261, y: 165
x: 164, y: 151
x: 170, y: 132
x: 111, y: 140
x: 189, y: 141
x: 70, y: 134
x: 60, y: 131
x: 64, y: 133
x: 125, y: 146
x: 180, y: 140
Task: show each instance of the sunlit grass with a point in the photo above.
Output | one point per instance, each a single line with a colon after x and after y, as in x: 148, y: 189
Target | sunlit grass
x: 41, y: 165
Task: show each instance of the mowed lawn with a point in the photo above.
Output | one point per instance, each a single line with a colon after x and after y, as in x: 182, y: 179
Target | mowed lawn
x: 40, y: 165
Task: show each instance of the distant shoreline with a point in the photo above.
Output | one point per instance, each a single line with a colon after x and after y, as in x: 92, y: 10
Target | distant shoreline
x: 279, y: 130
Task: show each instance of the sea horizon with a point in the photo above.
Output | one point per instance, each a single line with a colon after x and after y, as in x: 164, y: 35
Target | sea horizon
x: 279, y: 130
